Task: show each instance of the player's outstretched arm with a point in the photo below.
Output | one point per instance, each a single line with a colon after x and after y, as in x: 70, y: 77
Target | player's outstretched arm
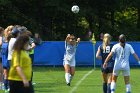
x: 136, y: 57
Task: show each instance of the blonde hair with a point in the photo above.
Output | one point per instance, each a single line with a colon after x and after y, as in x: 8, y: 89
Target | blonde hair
x: 106, y: 40
x: 7, y: 32
x: 9, y: 28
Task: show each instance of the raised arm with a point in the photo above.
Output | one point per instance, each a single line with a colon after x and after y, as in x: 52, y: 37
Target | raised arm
x: 78, y: 40
x: 67, y: 38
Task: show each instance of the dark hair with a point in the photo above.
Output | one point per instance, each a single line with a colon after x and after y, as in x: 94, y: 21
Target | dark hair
x: 1, y: 30
x: 9, y: 37
x: 22, y: 28
x: 20, y: 43
x: 122, y: 38
x: 28, y: 33
x: 15, y: 32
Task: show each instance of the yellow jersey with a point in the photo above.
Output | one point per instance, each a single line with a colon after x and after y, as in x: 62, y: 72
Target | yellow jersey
x: 24, y: 61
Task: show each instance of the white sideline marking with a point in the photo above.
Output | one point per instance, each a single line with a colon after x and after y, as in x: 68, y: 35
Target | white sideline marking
x: 78, y: 83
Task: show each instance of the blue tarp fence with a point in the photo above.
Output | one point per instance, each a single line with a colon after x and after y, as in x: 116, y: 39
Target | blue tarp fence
x: 51, y: 53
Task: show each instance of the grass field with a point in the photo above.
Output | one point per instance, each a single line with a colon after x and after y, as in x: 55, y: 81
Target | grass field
x: 51, y: 80
x: 86, y: 80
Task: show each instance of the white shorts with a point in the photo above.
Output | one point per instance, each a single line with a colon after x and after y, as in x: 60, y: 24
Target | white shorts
x: 70, y: 63
x: 125, y: 72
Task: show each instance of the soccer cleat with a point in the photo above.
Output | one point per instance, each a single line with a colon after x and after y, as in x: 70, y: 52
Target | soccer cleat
x: 68, y: 84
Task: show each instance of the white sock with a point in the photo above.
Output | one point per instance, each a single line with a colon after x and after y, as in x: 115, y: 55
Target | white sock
x: 67, y: 77
x: 128, y: 88
x: 113, y: 86
x: 71, y: 78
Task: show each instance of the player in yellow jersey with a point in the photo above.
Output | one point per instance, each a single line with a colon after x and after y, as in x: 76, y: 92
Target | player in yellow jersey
x: 20, y: 67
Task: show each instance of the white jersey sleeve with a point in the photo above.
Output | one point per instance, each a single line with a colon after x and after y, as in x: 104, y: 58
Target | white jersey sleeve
x: 114, y: 49
x: 10, y: 48
x: 131, y: 49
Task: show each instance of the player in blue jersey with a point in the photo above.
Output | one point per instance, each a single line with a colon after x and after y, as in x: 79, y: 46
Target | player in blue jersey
x: 103, y: 50
x: 4, y: 53
x: 69, y: 57
x: 1, y: 33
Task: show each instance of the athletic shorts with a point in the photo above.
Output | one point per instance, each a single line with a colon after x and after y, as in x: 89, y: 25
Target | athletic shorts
x: 125, y: 72
x: 107, y: 70
x: 18, y: 87
x: 7, y: 65
x: 70, y: 63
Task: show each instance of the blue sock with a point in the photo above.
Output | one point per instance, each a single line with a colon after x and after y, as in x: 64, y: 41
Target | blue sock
x: 109, y: 88
x: 5, y: 83
x: 105, y: 87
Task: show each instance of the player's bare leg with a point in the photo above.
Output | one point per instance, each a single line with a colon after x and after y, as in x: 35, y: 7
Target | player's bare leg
x: 67, y: 74
x: 72, y: 72
x: 104, y: 76
x: 127, y: 83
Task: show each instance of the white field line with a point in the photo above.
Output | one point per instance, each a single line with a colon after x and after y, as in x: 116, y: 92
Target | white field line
x: 79, y: 82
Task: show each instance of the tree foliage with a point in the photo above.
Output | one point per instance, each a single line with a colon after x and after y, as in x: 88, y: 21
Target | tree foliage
x: 53, y: 19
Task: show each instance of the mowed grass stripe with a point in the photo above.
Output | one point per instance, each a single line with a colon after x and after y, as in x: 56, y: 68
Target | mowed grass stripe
x: 78, y: 83
x: 92, y: 84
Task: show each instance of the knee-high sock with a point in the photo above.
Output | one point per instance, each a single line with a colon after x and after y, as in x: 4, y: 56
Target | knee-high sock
x: 113, y: 86
x: 128, y: 88
x: 71, y: 77
x: 105, y: 87
x: 109, y: 88
x: 67, y: 77
x: 5, y: 83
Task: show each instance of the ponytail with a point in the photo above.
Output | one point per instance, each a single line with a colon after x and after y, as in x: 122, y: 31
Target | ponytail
x: 106, y: 40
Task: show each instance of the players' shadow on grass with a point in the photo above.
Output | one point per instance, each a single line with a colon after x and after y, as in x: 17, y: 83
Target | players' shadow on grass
x: 47, y: 87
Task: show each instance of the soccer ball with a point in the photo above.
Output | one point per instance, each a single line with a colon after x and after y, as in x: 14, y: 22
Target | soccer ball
x: 75, y: 9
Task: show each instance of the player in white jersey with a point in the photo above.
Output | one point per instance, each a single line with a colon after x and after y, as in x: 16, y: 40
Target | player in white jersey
x: 15, y: 33
x: 69, y: 57
x: 122, y: 51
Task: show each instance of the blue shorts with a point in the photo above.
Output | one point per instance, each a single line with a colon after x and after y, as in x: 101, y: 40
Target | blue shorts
x: 6, y: 65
